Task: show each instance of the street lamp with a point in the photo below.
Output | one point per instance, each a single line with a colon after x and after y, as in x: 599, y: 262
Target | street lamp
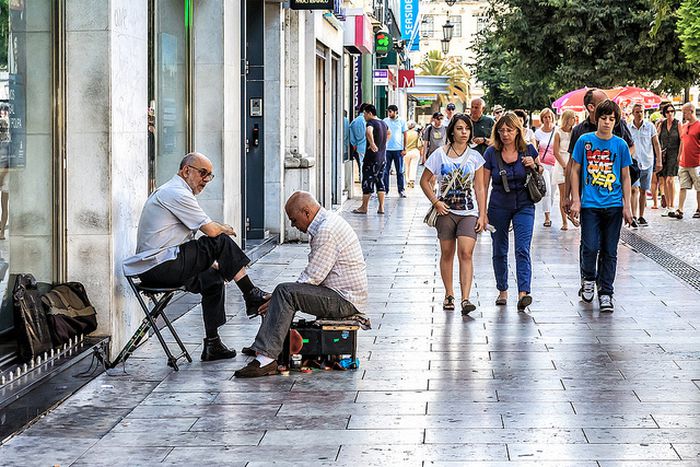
x: 450, y: 2
x: 445, y: 46
x: 447, y: 30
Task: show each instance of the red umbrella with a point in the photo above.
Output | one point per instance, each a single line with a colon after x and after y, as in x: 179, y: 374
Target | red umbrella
x: 572, y: 100
x: 631, y: 95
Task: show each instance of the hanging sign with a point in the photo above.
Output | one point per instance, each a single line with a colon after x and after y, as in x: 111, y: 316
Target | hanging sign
x: 407, y: 78
x: 382, y: 43
x: 312, y: 4
x: 380, y: 77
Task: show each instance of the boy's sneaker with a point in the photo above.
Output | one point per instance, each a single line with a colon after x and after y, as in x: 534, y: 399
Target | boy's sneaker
x: 587, y: 291
x: 605, y: 303
x: 633, y: 224
x: 642, y: 222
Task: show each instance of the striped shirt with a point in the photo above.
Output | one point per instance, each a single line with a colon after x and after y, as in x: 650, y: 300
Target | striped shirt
x: 336, y: 259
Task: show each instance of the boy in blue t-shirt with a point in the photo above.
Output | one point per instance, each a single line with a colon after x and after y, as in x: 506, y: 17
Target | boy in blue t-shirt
x: 601, y: 192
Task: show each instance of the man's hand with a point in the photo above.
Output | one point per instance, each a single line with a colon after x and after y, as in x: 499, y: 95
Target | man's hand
x: 481, y: 223
x: 575, y: 209
x: 627, y: 215
x: 262, y: 309
x: 374, y: 148
x: 403, y: 153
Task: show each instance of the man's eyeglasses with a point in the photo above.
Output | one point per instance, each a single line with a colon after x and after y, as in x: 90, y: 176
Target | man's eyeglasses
x: 204, y: 173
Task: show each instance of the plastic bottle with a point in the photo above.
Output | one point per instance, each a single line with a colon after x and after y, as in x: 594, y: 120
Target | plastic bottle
x: 350, y: 363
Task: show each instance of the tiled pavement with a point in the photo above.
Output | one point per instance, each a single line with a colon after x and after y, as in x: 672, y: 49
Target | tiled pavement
x: 559, y: 385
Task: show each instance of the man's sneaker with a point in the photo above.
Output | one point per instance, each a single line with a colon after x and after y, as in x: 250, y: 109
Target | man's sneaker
x: 633, y: 224
x: 402, y: 194
x: 605, y: 303
x: 642, y: 222
x: 587, y: 291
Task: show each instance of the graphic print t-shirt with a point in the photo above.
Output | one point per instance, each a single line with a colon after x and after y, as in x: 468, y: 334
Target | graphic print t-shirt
x: 461, y: 199
x: 601, y: 162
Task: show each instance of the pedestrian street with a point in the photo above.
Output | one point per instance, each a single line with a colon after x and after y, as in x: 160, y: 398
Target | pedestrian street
x: 560, y: 384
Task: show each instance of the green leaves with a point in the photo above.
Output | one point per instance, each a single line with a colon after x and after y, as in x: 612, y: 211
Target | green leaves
x: 536, y: 50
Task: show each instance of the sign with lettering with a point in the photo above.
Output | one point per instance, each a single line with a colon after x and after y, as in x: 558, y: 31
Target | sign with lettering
x: 382, y: 43
x: 380, y: 77
x: 312, y: 4
x: 409, y: 24
x: 407, y: 78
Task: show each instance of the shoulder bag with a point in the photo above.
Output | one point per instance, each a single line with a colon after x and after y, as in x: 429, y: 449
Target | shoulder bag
x: 432, y: 214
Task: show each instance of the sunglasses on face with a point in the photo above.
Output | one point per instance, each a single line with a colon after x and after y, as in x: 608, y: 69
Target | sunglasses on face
x: 670, y: 111
x: 204, y: 173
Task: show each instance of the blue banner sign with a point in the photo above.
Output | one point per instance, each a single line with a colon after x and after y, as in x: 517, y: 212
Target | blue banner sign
x: 409, y: 23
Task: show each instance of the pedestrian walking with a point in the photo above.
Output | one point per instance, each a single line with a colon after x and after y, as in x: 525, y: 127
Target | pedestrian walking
x: 506, y: 166
x: 529, y: 134
x: 412, y: 157
x: 600, y: 168
x: 449, y: 112
x: 377, y: 134
x: 497, y: 112
x: 395, y: 149
x: 358, y: 138
x: 591, y: 99
x: 483, y: 125
x: 545, y: 137
x: 433, y: 136
x: 462, y: 214
x: 562, y: 137
x: 689, y: 162
x: 670, y: 140
x: 647, y: 154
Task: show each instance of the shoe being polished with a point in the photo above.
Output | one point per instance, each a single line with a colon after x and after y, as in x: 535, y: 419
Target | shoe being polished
x: 214, y: 349
x: 253, y: 300
x: 254, y: 370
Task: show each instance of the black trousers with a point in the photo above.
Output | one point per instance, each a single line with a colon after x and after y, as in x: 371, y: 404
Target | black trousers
x: 192, y: 269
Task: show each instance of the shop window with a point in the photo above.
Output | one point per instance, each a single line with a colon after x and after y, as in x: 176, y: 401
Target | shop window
x: 457, y: 22
x: 27, y: 119
x: 169, y: 112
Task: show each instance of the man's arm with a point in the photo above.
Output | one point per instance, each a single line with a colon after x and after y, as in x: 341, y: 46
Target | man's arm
x: 657, y: 152
x: 575, y: 180
x: 370, y: 139
x: 626, y: 195
x: 405, y: 142
x: 322, y: 258
x: 214, y: 229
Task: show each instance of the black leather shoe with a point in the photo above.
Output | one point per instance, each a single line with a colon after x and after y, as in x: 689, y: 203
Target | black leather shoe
x: 254, y: 370
x: 214, y: 349
x: 253, y: 300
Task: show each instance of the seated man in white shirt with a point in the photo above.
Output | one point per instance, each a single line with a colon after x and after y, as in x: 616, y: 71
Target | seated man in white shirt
x: 168, y: 255
x: 333, y: 284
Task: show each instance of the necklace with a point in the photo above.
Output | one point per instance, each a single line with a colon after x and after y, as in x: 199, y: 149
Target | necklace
x: 455, y: 151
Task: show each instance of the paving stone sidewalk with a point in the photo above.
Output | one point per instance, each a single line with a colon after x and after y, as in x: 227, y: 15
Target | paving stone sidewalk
x: 558, y: 385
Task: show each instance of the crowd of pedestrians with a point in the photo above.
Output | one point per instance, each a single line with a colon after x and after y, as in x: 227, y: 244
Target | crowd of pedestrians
x: 478, y: 169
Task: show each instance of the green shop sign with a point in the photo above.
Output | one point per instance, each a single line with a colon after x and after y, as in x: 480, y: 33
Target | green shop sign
x: 382, y: 43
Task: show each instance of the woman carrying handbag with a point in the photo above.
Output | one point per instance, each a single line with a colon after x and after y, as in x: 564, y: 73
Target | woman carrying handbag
x: 460, y: 209
x: 506, y: 168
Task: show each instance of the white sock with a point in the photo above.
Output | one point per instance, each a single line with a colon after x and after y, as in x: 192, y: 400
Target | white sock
x: 264, y: 360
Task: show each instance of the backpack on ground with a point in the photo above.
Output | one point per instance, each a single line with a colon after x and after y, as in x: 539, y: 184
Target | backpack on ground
x: 69, y: 312
x: 31, y: 324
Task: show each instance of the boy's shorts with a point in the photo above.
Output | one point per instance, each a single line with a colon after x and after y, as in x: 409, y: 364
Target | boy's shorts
x: 644, y: 182
x: 689, y: 178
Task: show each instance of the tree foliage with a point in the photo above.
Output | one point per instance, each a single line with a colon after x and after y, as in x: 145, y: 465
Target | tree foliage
x: 534, y: 51
x: 689, y: 29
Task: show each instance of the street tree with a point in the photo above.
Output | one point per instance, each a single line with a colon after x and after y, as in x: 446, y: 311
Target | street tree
x: 548, y: 47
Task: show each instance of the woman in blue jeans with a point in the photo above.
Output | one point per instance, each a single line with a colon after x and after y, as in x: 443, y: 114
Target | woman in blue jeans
x: 509, y: 202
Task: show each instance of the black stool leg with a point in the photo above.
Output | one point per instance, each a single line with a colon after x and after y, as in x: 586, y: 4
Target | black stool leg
x: 152, y: 316
x: 177, y: 338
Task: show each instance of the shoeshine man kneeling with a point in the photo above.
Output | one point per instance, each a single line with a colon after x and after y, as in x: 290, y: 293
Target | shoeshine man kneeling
x: 333, y: 284
x: 169, y: 255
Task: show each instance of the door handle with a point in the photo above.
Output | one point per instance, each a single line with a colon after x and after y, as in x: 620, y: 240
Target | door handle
x: 256, y: 135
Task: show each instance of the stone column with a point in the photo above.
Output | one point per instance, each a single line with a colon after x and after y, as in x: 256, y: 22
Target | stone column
x: 107, y: 151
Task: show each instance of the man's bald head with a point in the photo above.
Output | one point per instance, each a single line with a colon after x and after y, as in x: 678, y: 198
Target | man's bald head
x: 197, y: 170
x: 301, y: 209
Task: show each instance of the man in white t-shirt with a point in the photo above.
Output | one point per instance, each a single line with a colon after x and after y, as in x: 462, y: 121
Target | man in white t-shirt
x: 646, y: 141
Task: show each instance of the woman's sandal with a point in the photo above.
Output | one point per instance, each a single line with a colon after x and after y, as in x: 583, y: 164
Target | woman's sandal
x: 524, y: 302
x: 547, y: 223
x: 448, y: 303
x: 467, y: 307
x: 501, y: 301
